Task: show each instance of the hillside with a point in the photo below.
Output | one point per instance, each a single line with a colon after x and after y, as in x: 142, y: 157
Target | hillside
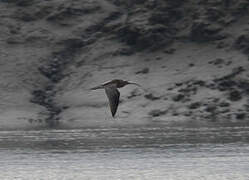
x: 191, y: 57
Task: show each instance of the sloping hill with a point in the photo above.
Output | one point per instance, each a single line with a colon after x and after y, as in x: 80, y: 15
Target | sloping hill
x: 190, y: 56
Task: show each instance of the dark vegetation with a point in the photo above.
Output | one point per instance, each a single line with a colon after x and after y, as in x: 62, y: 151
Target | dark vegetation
x: 142, y: 25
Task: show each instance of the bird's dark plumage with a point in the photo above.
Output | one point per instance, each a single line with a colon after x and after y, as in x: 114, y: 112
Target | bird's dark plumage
x: 113, y: 96
x: 111, y: 90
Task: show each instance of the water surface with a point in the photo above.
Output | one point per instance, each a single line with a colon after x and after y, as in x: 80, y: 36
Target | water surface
x: 147, y: 152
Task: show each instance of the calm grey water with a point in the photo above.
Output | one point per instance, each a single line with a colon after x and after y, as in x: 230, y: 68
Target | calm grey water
x: 148, y: 152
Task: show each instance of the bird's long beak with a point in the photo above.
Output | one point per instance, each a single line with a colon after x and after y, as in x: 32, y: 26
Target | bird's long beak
x: 130, y: 82
x: 97, y: 87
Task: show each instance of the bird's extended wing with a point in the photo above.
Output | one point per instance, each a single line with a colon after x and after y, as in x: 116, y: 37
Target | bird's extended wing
x: 113, y: 96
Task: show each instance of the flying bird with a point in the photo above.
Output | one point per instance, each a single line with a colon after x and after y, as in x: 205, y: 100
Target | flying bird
x: 111, y: 90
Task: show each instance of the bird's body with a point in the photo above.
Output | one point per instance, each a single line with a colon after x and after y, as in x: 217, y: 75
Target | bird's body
x: 111, y: 90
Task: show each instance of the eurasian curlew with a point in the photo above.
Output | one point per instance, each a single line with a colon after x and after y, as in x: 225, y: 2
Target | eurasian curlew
x: 111, y: 90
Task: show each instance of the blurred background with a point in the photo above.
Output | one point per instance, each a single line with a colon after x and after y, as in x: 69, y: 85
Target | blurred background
x: 191, y: 57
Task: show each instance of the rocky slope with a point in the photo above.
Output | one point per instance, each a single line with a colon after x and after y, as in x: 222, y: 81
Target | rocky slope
x: 190, y: 56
